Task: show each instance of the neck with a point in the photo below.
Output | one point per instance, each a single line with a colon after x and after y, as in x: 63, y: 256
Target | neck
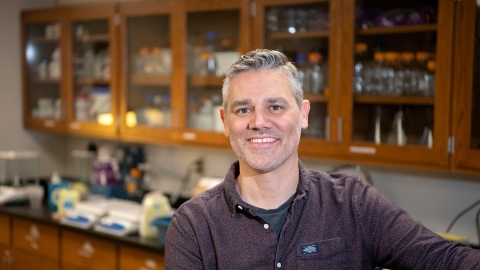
x: 267, y: 190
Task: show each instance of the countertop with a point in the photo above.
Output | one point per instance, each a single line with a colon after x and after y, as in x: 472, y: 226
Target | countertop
x: 44, y: 215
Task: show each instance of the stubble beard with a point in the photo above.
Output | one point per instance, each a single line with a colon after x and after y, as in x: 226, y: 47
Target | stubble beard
x: 265, y: 161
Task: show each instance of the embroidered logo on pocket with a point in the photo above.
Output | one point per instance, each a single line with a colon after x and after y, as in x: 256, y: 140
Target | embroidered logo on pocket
x: 313, y: 248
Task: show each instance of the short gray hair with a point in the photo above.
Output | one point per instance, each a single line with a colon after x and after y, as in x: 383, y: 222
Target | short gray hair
x: 263, y: 59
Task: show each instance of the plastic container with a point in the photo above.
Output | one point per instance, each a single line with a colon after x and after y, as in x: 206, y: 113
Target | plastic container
x: 67, y: 199
x: 162, y: 226
x: 154, y: 205
x: 54, y: 188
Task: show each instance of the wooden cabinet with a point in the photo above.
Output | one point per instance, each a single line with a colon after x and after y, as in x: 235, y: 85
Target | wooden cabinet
x: 5, y: 230
x: 22, y: 260
x: 44, y: 93
x: 132, y: 258
x: 309, y: 33
x: 36, y: 238
x: 163, y: 68
x: 87, y: 252
x: 466, y: 87
x: 397, y: 115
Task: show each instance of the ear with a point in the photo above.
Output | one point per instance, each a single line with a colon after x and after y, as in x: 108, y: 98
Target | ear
x: 224, y: 120
x: 304, y: 110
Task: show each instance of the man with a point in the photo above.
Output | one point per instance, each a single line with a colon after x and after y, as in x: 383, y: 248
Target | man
x: 273, y: 213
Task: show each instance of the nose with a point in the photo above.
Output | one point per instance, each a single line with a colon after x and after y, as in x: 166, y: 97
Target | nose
x: 259, y: 120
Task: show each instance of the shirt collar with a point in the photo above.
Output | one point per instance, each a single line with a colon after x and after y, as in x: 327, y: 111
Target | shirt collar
x: 233, y: 198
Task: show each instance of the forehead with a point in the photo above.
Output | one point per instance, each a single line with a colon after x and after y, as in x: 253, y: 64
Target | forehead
x: 262, y: 83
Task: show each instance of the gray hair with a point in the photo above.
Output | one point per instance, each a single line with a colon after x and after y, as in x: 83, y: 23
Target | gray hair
x: 263, y: 59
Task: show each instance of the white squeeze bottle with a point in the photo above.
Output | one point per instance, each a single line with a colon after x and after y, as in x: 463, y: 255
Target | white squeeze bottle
x: 154, y: 205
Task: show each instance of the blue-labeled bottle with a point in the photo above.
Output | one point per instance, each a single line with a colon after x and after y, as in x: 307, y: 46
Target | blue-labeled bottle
x: 56, y: 184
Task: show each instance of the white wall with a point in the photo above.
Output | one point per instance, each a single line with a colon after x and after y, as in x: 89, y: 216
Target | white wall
x: 12, y: 134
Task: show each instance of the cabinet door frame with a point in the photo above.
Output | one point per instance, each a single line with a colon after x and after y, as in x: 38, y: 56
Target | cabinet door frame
x: 139, y: 9
x: 83, y: 12
x: 464, y: 158
x: 313, y: 147
x: 436, y: 157
x: 31, y: 17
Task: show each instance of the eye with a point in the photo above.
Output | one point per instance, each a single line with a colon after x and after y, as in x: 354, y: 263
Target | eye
x: 243, y: 111
x: 276, y: 107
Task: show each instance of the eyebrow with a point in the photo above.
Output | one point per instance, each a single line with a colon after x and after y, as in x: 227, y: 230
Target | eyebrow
x: 274, y: 100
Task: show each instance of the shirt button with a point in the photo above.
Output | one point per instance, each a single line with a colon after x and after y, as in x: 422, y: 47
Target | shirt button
x: 279, y: 265
x: 266, y: 226
x: 240, y: 207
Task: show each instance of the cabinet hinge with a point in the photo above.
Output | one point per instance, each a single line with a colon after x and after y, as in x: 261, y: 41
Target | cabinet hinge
x: 451, y: 145
x: 253, y: 9
x: 116, y: 19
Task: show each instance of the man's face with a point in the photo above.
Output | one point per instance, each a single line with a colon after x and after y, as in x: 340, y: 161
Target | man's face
x: 263, y: 120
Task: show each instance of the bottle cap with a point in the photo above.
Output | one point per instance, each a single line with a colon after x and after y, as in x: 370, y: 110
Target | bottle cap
x: 361, y: 47
x: 406, y: 56
x: 315, y: 57
x: 55, y: 177
x: 143, y: 51
x: 422, y: 56
x: 156, y: 50
x: 205, y: 55
x: 431, y: 65
x: 391, y: 55
x: 379, y: 56
x: 134, y: 172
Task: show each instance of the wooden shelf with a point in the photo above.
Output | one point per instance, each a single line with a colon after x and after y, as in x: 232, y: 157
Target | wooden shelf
x: 397, y: 30
x: 394, y: 100
x: 308, y: 34
x: 45, y: 81
x: 93, y: 38
x: 152, y: 80
x: 206, y: 81
x: 43, y: 40
x: 92, y: 81
x: 315, y: 98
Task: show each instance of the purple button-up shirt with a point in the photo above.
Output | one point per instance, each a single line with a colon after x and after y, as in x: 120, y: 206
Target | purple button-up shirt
x: 335, y: 222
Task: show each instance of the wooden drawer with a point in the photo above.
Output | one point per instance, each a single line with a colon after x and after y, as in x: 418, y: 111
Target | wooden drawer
x: 4, y: 230
x: 36, y: 238
x: 132, y: 258
x: 87, y: 252
x: 23, y: 260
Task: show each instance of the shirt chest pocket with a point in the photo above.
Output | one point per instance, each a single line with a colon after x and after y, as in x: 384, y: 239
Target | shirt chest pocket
x: 322, y: 254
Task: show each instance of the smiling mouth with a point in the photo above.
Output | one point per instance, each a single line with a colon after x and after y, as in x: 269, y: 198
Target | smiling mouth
x: 263, y: 140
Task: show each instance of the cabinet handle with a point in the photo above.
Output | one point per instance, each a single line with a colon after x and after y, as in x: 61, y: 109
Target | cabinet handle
x: 340, y: 129
x: 327, y: 128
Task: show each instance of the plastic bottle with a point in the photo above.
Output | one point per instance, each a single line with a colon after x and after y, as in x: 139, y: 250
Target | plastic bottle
x: 359, y: 68
x: 317, y: 76
x: 421, y: 69
x: 154, y: 205
x: 300, y: 60
x: 407, y: 65
x: 56, y: 184
x: 429, y: 78
x: 54, y: 70
x: 388, y: 73
x: 67, y: 199
x: 376, y: 85
x: 166, y: 110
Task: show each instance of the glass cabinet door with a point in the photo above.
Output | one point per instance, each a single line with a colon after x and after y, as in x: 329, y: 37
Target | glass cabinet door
x: 148, y: 68
x: 44, y: 99
x: 398, y: 80
x: 91, y: 59
x: 307, y: 34
x: 466, y: 86
x: 217, y: 33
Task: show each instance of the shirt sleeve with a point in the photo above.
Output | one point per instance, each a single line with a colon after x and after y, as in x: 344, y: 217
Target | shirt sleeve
x: 181, y: 248
x: 394, y: 240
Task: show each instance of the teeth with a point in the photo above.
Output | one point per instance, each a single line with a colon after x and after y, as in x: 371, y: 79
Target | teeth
x: 264, y: 140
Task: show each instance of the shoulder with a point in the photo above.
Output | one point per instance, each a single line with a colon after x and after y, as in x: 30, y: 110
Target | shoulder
x: 207, y: 201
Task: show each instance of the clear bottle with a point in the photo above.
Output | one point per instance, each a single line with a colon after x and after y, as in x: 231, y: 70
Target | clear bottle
x: 429, y: 78
x: 271, y: 17
x: 376, y: 85
x: 359, y: 68
x: 140, y: 59
x: 388, y: 73
x: 407, y: 64
x: 317, y: 74
x: 301, y: 61
x: 420, y: 70
x: 288, y: 20
x: 397, y: 134
x: 166, y: 110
